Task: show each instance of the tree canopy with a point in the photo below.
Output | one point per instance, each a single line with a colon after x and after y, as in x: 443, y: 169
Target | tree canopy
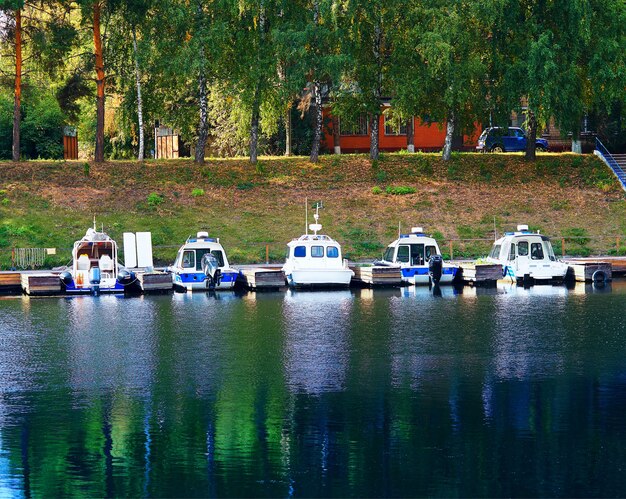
x: 246, y: 76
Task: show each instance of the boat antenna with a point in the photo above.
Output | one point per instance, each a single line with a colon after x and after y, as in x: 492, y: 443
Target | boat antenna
x: 399, y: 230
x: 495, y: 229
x: 306, y: 216
x: 94, y: 222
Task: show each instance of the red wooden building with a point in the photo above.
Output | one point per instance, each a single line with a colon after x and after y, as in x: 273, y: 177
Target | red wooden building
x: 355, y: 136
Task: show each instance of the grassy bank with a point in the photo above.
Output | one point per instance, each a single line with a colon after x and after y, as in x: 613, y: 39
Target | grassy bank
x: 51, y: 204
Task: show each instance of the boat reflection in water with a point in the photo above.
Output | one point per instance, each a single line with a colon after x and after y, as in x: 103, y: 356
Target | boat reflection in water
x: 317, y: 340
x: 342, y: 393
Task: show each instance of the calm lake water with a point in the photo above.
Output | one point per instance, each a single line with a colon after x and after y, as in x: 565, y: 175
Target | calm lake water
x: 506, y: 392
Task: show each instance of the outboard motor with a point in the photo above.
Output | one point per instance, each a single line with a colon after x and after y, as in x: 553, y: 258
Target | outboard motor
x: 211, y: 269
x: 66, y: 278
x: 435, y: 268
x: 124, y: 277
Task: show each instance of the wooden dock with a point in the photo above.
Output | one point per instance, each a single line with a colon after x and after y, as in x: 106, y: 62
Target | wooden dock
x: 10, y: 282
x: 584, y: 271
x: 41, y: 284
x: 155, y: 282
x: 376, y: 275
x: 262, y: 278
x: 481, y: 274
x: 618, y: 263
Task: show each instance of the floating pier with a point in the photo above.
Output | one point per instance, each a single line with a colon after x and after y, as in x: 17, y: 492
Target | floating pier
x: 376, y: 275
x: 41, y: 284
x: 155, y: 282
x: 589, y: 271
x: 262, y: 278
x: 480, y: 274
x: 10, y: 282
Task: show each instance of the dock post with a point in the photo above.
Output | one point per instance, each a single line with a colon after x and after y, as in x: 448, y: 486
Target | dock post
x: 267, y: 254
x: 563, y: 246
x: 451, y: 252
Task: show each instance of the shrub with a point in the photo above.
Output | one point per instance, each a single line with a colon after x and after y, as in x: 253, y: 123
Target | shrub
x: 197, y: 193
x: 377, y: 190
x: 154, y: 199
x: 245, y: 186
x: 42, y: 128
x: 400, y: 190
x: 86, y: 169
x: 381, y: 176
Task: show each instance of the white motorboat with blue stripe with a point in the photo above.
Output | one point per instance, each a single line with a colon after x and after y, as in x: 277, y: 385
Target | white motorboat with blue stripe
x: 202, y: 264
x: 413, y: 252
x: 524, y: 254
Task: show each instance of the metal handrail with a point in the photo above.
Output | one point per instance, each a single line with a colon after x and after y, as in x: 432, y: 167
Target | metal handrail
x: 611, y: 162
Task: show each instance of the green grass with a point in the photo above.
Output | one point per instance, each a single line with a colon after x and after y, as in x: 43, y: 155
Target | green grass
x: 50, y: 205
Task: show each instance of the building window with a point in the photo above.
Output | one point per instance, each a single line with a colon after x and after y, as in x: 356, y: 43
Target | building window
x: 393, y: 128
x: 354, y: 127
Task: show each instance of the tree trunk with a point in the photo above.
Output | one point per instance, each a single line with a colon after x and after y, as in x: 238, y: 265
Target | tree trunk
x: 410, y: 139
x: 140, y: 156
x: 203, y: 126
x: 531, y: 138
x: 288, y: 131
x: 447, y: 146
x: 17, y: 104
x: 577, y: 146
x: 336, y: 135
x: 254, y: 125
x: 374, y: 136
x: 256, y: 103
x: 317, y: 132
x: 99, y: 153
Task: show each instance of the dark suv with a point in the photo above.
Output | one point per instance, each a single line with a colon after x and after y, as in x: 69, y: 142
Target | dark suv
x: 511, y: 139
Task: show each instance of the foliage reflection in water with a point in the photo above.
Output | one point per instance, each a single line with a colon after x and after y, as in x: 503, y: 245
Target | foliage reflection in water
x: 506, y: 392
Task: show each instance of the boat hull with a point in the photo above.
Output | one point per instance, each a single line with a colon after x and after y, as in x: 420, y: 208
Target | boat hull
x: 546, y: 273
x: 106, y: 286
x: 197, y: 281
x: 319, y: 278
x: 418, y: 274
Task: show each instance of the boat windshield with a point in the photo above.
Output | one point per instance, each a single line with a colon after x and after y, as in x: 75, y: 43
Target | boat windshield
x: 495, y: 251
x: 388, y: 256
x: 536, y: 251
x: 549, y: 251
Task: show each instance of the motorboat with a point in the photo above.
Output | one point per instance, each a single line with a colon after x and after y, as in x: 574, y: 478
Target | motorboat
x: 95, y: 268
x: 315, y: 260
x: 419, y: 259
x: 202, y: 264
x: 526, y: 255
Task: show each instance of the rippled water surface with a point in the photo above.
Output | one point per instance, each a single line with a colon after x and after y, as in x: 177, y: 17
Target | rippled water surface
x: 506, y: 392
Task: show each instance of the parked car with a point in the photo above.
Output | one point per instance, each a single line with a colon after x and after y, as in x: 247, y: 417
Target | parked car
x: 511, y: 139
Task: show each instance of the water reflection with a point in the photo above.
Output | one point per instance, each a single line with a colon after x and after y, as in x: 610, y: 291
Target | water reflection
x: 316, y: 340
x: 348, y: 393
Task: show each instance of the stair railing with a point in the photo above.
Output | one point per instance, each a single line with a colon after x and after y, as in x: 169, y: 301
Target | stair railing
x: 611, y: 162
